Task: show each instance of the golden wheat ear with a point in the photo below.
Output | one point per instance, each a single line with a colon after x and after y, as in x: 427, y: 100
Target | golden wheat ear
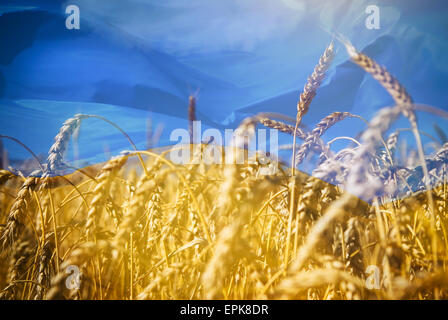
x: 397, y: 91
x: 314, y: 81
x: 15, y: 221
x: 101, y: 191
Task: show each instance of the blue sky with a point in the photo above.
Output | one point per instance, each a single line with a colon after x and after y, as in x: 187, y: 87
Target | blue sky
x: 136, y: 59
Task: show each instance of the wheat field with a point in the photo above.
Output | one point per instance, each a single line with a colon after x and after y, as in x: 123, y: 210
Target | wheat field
x: 142, y: 227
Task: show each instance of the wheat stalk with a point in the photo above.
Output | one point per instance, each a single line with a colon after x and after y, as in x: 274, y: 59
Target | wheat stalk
x: 15, y: 221
x: 314, y: 82
x: 101, y: 191
x: 314, y: 138
x: 57, y: 150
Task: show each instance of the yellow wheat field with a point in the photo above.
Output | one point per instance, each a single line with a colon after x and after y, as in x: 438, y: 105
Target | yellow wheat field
x: 141, y: 227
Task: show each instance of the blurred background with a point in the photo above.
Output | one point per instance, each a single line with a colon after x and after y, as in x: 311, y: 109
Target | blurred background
x: 136, y: 62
